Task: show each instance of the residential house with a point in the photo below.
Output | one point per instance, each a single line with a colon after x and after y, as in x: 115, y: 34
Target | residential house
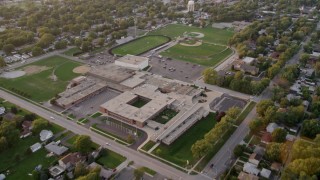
x: 35, y: 147
x: 45, y: 135
x: 255, y: 158
x: 104, y: 173
x: 259, y: 150
x: 248, y: 60
x: 266, y: 138
x: 70, y: 160
x: 266, y: 173
x: 251, y: 168
x: 55, y: 148
x: 242, y: 66
x: 275, y: 166
x: 26, y: 129
x: 245, y: 176
x: 271, y: 127
x: 56, y: 170
x: 275, y: 55
x: 2, y: 110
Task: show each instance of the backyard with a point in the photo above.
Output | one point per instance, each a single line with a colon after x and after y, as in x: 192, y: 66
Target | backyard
x: 110, y: 159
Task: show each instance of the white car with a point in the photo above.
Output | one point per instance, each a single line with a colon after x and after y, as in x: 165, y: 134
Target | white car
x: 52, y: 117
x: 107, y: 144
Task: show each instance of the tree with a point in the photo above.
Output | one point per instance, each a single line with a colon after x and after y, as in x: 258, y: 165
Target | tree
x: 269, y: 115
x: 130, y: 139
x: 238, y: 150
x: 80, y: 170
x: 61, y: 44
x: 9, y: 131
x: 45, y: 40
x: 8, y: 48
x: 2, y: 62
x: 86, y: 46
x: 83, y: 144
x: 200, y: 148
x: 263, y: 105
x: 279, y: 135
x: 254, y: 125
x: 273, y: 151
x: 3, y: 144
x: 38, y: 125
x: 37, y: 51
x: 209, y: 75
x: 233, y: 112
x: 317, y: 68
x: 138, y: 173
x: 310, y: 128
x: 304, y: 58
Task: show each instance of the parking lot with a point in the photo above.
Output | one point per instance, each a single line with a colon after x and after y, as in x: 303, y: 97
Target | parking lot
x: 175, y: 69
x: 225, y: 102
x: 102, y: 58
x: 92, y: 104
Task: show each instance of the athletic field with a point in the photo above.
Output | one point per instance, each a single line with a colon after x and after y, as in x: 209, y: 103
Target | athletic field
x: 39, y: 85
x: 140, y: 45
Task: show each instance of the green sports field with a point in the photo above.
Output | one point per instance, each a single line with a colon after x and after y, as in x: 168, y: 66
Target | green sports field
x: 205, y: 54
x: 211, y: 35
x: 212, y: 51
x: 140, y: 45
x: 39, y: 86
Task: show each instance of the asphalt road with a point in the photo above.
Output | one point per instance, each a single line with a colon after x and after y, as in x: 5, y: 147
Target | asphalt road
x: 222, y: 159
x: 131, y: 154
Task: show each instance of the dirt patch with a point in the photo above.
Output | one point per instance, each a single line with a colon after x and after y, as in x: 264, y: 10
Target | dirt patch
x: 32, y: 69
x: 198, y: 43
x: 81, y: 69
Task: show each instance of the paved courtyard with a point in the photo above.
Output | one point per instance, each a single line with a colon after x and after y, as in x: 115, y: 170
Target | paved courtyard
x: 223, y: 103
x: 92, y: 104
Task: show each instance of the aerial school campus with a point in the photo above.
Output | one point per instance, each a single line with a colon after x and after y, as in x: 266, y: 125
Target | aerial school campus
x: 127, y: 96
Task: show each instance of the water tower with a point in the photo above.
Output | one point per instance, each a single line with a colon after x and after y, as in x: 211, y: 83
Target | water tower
x: 190, y: 6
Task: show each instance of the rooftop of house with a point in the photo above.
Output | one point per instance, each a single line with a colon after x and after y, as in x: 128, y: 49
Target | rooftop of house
x: 72, y: 158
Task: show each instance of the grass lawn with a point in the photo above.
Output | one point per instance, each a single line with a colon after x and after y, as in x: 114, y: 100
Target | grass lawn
x: 139, y: 103
x: 165, y: 116
x: 180, y: 150
x: 149, y: 171
x: 245, y: 112
x: 39, y: 86
x: 95, y: 115
x: 140, y: 45
x: 212, y: 35
x: 148, y: 145
x: 72, y: 51
x: 21, y: 169
x: 56, y: 128
x: 205, y: 54
x: 111, y: 159
x: 72, y: 139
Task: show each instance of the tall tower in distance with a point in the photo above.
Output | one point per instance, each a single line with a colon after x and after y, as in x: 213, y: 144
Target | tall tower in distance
x: 191, y: 6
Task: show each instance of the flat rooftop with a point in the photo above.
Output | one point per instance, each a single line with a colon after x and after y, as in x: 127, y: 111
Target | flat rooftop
x: 120, y: 104
x: 111, y: 72
x: 131, y: 59
x: 79, y: 92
